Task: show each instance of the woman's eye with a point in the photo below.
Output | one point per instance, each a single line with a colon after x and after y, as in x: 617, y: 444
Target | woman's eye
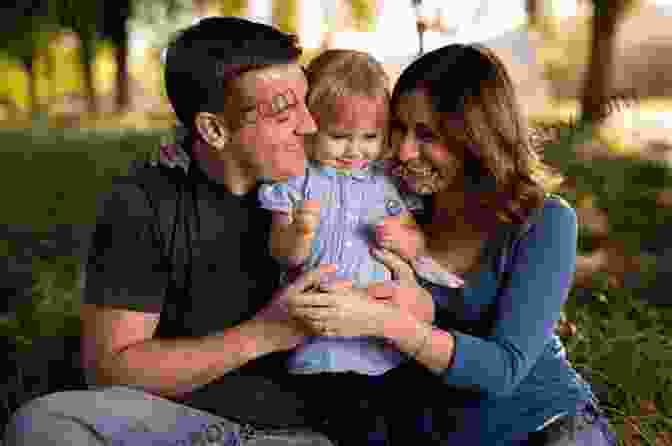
x: 338, y: 136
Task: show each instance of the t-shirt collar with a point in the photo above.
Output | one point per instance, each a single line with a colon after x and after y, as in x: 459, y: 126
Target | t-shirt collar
x: 173, y: 155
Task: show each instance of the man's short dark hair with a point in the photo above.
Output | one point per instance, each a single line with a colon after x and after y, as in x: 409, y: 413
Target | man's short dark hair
x: 204, y: 58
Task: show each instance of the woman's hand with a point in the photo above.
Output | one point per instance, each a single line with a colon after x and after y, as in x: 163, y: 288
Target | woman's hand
x: 404, y: 290
x: 340, y: 310
x: 401, y: 235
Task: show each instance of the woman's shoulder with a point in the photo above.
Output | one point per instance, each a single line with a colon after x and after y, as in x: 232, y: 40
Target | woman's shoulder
x: 554, y: 208
x: 557, y: 208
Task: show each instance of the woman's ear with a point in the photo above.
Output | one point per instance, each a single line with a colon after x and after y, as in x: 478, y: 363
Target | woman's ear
x: 214, y: 131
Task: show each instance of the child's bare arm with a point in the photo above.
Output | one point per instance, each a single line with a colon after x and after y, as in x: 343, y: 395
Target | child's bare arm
x: 292, y: 234
x: 403, y: 236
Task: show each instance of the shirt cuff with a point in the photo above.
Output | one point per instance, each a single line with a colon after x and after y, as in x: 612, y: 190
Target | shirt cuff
x: 468, y: 369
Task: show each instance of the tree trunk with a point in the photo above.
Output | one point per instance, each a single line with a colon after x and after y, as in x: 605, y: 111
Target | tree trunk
x: 599, y: 75
x: 123, y: 79
x: 533, y: 9
x: 119, y: 36
x: 32, y: 86
x: 87, y: 55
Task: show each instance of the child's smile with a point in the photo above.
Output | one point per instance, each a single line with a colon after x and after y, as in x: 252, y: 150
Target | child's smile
x: 352, y: 133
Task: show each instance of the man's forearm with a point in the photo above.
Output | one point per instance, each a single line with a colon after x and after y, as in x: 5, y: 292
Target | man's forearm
x: 173, y: 367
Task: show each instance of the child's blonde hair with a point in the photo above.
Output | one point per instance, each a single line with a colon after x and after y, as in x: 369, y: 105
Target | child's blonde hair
x: 338, y: 72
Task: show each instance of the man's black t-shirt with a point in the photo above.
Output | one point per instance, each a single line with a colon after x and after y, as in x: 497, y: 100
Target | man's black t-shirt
x: 179, y: 244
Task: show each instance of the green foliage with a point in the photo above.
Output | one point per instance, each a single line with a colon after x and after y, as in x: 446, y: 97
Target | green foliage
x: 55, y: 178
x: 627, y: 345
x: 59, y: 173
x: 363, y: 14
x: 285, y: 15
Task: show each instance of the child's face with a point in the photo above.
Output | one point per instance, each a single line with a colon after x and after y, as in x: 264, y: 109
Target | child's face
x: 353, y: 134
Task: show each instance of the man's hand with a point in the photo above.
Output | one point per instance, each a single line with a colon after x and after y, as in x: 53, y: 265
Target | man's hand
x: 281, y: 331
x: 400, y: 235
x: 306, y: 218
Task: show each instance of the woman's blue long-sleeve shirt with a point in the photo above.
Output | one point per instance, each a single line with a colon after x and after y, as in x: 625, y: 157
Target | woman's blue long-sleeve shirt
x: 508, y: 366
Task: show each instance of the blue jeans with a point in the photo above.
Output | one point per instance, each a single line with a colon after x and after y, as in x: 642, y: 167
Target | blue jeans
x: 589, y: 427
x: 122, y: 416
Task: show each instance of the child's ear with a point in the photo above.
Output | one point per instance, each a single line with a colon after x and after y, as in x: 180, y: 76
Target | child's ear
x: 214, y: 130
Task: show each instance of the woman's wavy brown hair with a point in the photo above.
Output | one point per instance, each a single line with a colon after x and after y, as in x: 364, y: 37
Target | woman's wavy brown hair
x: 474, y: 95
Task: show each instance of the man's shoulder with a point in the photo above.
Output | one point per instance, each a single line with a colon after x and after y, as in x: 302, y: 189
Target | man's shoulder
x: 148, y: 178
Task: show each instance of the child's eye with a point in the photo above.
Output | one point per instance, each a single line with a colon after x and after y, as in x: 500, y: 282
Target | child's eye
x: 338, y: 136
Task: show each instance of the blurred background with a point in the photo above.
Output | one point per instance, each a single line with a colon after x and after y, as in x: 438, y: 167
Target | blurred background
x: 81, y: 97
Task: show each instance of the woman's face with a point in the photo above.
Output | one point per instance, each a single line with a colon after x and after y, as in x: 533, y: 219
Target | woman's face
x: 427, y: 163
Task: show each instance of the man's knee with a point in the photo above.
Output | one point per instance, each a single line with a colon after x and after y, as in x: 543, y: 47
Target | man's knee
x: 38, y: 421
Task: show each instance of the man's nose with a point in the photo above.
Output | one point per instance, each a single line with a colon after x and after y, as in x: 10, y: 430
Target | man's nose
x: 306, y: 123
x: 408, y: 149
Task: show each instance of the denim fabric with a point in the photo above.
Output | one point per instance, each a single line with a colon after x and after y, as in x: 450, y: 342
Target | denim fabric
x: 588, y: 427
x: 122, y: 416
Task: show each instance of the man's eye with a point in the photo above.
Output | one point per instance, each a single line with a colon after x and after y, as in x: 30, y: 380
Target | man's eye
x: 338, y: 136
x: 283, y: 116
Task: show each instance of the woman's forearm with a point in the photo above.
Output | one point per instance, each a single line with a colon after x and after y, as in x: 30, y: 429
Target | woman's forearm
x: 430, y: 346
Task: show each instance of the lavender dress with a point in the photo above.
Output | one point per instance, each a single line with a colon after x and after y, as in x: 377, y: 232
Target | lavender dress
x: 351, y: 204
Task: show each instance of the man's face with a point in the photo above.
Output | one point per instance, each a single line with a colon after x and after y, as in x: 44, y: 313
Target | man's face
x: 270, y: 121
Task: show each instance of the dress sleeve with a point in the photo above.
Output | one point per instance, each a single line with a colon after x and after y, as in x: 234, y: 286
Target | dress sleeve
x: 281, y: 197
x: 124, y: 266
x: 527, y: 309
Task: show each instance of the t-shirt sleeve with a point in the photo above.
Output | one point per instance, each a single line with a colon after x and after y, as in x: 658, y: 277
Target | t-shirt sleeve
x: 281, y: 197
x: 527, y: 309
x: 124, y: 267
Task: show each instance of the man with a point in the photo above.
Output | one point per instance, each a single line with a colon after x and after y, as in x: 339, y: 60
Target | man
x: 181, y: 335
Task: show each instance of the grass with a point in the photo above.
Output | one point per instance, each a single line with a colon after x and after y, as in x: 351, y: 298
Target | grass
x: 53, y: 177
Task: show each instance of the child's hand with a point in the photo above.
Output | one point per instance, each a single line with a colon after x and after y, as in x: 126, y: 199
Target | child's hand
x: 401, y: 236
x: 306, y: 218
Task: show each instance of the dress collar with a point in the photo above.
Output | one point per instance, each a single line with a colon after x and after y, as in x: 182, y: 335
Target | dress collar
x: 366, y: 174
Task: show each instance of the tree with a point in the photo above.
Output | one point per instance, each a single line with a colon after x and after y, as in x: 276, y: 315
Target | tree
x: 607, y: 14
x: 534, y: 13
x: 114, y: 20
x: 83, y: 17
x: 25, y: 29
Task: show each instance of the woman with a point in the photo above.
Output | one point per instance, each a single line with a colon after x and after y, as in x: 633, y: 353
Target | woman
x: 489, y: 370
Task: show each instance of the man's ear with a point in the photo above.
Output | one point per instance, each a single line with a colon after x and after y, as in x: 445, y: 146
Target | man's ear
x: 214, y: 131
